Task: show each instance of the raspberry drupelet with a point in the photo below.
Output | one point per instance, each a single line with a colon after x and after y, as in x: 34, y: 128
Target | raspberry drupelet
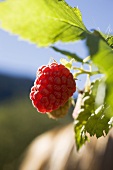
x: 53, y: 86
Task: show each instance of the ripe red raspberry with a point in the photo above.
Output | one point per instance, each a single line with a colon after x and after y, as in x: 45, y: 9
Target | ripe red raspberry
x: 53, y: 86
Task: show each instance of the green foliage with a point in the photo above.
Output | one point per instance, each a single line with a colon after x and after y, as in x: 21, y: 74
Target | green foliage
x: 102, y: 56
x: 85, y: 111
x: 42, y: 21
x: 97, y: 111
x: 91, y: 118
x: 97, y: 123
x: 45, y: 22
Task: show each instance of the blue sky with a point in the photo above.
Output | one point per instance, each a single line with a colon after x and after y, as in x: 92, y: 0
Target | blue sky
x: 22, y: 58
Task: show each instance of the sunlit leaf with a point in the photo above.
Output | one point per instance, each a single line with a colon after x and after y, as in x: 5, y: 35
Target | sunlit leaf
x: 42, y: 21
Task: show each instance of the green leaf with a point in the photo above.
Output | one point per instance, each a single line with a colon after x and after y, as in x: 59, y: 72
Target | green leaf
x: 78, y: 13
x: 68, y: 54
x: 98, y: 122
x: 102, y: 56
x: 87, y: 109
x: 105, y: 37
x: 84, y: 113
x: 80, y: 135
x: 42, y: 21
x: 92, y: 119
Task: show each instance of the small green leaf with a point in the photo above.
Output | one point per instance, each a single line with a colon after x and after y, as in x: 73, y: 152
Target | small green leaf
x: 42, y: 21
x: 80, y: 135
x: 68, y: 54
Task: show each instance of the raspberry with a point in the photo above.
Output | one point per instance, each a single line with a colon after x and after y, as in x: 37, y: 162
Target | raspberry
x: 61, y: 111
x: 53, y: 86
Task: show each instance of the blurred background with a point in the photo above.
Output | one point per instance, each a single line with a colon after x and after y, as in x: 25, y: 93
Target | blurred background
x: 19, y: 121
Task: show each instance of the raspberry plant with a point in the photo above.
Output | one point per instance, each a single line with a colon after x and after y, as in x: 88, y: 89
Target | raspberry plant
x: 29, y: 19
